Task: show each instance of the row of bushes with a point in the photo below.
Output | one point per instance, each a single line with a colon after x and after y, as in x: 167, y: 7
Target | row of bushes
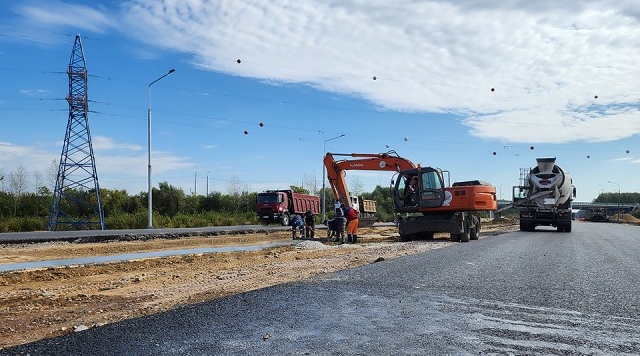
x: 139, y: 220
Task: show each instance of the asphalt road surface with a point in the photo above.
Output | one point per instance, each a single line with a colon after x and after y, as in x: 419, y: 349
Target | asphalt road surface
x: 521, y: 293
x: 101, y: 235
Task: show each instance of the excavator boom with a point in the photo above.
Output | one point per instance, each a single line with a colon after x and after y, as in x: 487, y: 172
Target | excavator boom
x: 363, y: 162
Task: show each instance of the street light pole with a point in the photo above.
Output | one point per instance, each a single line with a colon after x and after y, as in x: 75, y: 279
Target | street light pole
x: 149, y: 197
x: 324, y: 152
x: 619, y: 199
x: 208, y: 182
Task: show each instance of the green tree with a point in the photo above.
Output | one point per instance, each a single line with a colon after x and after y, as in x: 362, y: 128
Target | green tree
x: 614, y: 198
x: 192, y: 204
x: 213, y: 202
x: 18, y: 185
x: 114, y: 201
x: 384, y: 202
x: 168, y: 200
x: 299, y: 190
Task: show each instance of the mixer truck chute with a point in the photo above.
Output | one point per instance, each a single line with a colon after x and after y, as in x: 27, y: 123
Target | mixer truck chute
x: 436, y: 206
x: 544, y: 196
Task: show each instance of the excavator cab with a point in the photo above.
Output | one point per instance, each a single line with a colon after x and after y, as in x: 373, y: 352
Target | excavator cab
x: 422, y: 187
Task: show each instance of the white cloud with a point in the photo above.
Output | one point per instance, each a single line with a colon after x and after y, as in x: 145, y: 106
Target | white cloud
x: 57, y: 13
x: 546, y: 60
x: 107, y: 143
x: 126, y: 170
x: 34, y: 92
x: 41, y: 21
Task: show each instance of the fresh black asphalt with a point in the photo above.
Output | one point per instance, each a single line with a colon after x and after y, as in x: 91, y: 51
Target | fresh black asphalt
x: 521, y: 293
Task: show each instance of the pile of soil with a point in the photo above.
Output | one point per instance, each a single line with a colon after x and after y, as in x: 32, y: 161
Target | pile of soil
x: 627, y: 218
x: 501, y: 221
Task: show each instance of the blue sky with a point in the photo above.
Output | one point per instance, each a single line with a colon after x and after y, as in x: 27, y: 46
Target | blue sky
x: 564, y: 75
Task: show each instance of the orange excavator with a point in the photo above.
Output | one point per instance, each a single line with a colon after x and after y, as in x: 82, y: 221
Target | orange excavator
x: 433, y: 207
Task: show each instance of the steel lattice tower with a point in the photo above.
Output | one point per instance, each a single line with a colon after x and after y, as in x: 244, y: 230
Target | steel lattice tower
x: 77, y: 204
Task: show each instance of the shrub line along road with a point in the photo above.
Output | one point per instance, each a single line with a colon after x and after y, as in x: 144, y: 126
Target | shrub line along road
x: 520, y: 293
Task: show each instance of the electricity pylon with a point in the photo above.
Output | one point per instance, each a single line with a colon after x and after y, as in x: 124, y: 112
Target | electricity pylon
x: 77, y: 204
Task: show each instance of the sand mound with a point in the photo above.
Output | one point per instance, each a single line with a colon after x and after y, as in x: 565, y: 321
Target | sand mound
x: 625, y: 217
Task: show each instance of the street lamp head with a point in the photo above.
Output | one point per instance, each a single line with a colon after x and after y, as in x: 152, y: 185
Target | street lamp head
x: 171, y: 71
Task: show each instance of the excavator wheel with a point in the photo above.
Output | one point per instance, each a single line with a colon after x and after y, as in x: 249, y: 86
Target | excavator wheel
x: 466, y: 235
x: 473, y: 233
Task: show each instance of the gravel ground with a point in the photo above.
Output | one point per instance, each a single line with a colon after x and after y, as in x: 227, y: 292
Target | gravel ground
x: 43, y: 303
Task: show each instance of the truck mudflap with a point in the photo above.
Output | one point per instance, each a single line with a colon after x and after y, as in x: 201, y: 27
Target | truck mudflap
x: 530, y: 218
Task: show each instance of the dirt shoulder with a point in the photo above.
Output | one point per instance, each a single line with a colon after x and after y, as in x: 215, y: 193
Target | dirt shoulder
x: 43, y: 303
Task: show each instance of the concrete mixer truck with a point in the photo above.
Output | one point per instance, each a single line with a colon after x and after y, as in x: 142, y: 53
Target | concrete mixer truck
x: 543, y: 196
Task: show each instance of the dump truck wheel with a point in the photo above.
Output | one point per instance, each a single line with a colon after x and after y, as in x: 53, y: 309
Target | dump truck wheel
x: 455, y: 237
x: 285, y: 220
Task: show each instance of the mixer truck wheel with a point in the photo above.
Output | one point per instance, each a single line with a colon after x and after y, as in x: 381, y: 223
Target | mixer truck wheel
x: 527, y: 227
x: 565, y: 228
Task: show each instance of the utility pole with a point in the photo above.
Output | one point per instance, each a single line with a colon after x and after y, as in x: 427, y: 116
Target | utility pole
x: 324, y: 152
x: 77, y: 203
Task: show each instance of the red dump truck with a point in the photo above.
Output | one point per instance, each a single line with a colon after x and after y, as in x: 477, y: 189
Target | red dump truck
x: 280, y: 205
